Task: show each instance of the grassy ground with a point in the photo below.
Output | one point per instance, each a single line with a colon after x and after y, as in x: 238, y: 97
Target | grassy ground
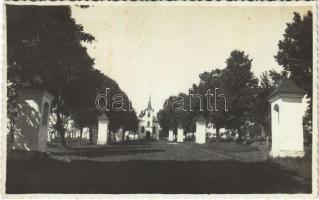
x: 162, y: 150
x: 301, y: 166
x: 155, y: 167
x: 187, y: 151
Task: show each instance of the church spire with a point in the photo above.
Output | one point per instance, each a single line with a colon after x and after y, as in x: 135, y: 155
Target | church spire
x: 149, y: 105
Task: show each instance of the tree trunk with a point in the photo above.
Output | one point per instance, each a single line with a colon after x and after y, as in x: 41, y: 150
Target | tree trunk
x: 12, y: 133
x: 217, y: 133
x: 60, y: 128
x: 91, y: 134
x: 81, y: 133
x: 123, y: 135
x: 239, y: 135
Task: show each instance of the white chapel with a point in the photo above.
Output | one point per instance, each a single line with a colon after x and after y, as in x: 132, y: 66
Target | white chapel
x: 148, y: 126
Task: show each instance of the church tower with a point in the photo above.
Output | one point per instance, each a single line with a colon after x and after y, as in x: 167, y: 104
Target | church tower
x: 148, y: 126
x: 149, y: 112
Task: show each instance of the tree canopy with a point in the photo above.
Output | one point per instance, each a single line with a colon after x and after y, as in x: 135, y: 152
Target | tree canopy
x: 246, y: 95
x: 295, y: 51
x: 295, y: 55
x: 236, y: 83
x: 45, y: 51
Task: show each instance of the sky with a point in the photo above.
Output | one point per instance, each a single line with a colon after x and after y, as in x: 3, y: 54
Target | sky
x: 157, y: 51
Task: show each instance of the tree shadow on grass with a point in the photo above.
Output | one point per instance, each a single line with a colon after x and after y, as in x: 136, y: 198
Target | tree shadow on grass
x: 126, y: 144
x: 109, y: 151
x: 169, y: 177
x: 124, y: 148
x: 136, y: 142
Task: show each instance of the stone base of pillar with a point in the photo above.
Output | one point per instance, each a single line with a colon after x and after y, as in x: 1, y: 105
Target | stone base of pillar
x: 286, y: 153
x: 180, y: 138
x: 170, y: 137
x: 101, y: 142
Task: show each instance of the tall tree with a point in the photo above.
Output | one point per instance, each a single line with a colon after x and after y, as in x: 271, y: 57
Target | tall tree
x: 236, y: 83
x: 45, y: 51
x: 295, y: 55
x: 269, y: 80
x: 295, y: 51
x: 176, y: 113
x: 12, y: 112
x: 240, y: 87
x: 215, y: 106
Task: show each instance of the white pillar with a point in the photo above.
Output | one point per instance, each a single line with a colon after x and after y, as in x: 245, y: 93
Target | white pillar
x: 103, y: 126
x: 87, y: 134
x: 119, y: 134
x: 180, y: 134
x: 170, y: 135
x: 200, y: 130
x: 126, y: 135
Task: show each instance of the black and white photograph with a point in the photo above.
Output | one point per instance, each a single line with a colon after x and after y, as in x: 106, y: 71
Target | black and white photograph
x: 160, y: 98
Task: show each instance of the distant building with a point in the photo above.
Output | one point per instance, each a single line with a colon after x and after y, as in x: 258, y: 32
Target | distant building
x: 148, y: 126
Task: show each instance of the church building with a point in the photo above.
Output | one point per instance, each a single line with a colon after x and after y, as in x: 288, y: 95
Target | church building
x: 148, y: 126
